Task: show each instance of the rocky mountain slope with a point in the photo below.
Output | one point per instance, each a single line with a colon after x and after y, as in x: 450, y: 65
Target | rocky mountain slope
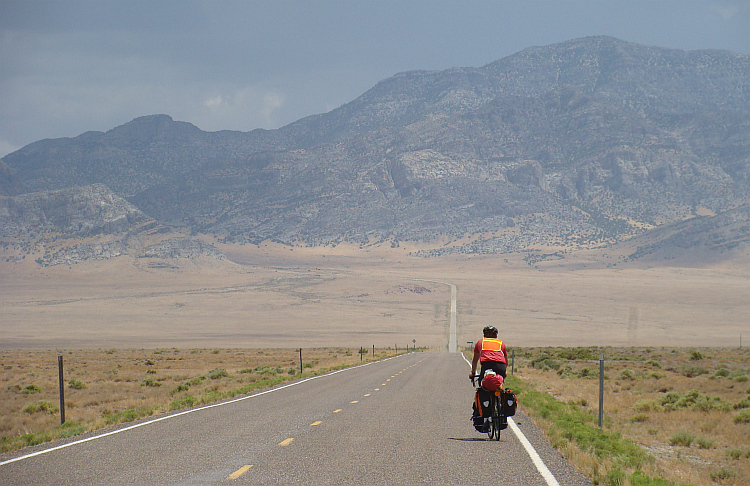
x: 578, y: 144
x: 87, y: 223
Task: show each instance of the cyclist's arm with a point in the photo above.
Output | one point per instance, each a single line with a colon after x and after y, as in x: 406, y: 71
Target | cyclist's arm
x: 474, y: 362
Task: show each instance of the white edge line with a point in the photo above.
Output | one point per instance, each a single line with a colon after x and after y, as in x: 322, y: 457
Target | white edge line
x: 540, y: 466
x: 185, y: 412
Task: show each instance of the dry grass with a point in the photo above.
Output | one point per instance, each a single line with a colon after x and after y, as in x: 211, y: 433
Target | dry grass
x: 680, y: 405
x: 103, y: 387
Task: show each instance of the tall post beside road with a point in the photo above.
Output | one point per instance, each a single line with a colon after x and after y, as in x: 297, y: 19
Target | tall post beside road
x: 62, y: 389
x: 300, y: 361
x: 513, y: 361
x: 601, y: 390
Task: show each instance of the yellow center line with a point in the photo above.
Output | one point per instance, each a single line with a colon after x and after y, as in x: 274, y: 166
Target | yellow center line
x: 315, y: 423
x: 382, y: 384
x: 355, y: 401
x: 388, y: 379
x: 337, y: 411
x: 239, y: 472
x: 377, y: 389
x: 367, y: 394
x: 285, y: 442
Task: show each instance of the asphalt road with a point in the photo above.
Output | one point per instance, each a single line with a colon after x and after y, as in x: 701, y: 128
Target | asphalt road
x: 401, y: 421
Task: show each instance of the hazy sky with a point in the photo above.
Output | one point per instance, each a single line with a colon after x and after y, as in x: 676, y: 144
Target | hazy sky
x: 67, y: 67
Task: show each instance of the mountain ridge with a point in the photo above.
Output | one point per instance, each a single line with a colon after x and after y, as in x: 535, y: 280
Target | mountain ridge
x: 584, y: 143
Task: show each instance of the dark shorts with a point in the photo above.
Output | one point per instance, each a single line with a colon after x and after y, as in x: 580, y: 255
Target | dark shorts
x: 496, y: 366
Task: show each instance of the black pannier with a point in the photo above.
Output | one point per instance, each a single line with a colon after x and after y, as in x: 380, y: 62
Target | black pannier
x: 482, y: 401
x: 510, y: 402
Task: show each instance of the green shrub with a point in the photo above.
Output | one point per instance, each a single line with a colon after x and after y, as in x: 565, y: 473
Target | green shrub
x: 615, y: 477
x: 693, y: 400
x: 218, y: 373
x: 696, y: 356
x: 682, y: 438
x: 627, y: 374
x: 545, y: 363
x: 654, y: 363
x: 197, y: 380
x: 29, y: 389
x: 41, y: 406
x: 646, y: 405
x: 721, y: 474
x: 639, y: 478
x: 738, y: 454
x: 150, y: 382
x: 76, y: 384
x: 721, y: 373
x: 184, y: 402
x: 704, y: 443
x: 576, y: 354
x: 180, y: 388
x: 69, y: 429
x: 743, y: 417
x: 128, y: 415
x: 691, y: 371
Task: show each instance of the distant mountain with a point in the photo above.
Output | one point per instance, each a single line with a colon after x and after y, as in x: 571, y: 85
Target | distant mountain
x: 88, y: 223
x: 578, y: 144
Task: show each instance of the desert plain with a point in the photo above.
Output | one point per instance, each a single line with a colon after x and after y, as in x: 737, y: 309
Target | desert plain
x: 280, y: 296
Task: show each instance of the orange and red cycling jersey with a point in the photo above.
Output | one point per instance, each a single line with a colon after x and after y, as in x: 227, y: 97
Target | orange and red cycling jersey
x: 490, y: 349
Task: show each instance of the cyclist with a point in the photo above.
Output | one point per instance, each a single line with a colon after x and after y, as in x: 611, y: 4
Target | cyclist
x: 491, y: 353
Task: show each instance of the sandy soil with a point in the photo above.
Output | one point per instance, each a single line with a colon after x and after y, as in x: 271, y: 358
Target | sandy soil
x: 275, y: 296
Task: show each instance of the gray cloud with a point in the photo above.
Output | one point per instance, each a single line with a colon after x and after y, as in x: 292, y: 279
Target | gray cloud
x: 69, y: 67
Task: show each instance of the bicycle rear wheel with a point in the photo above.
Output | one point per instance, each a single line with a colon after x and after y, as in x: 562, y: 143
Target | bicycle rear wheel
x: 496, y: 417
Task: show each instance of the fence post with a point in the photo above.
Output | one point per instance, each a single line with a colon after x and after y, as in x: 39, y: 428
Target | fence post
x: 601, y: 390
x: 513, y: 361
x: 62, y: 389
x: 300, y: 361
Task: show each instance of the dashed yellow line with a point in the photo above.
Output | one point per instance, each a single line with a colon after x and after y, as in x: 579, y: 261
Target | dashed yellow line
x: 315, y: 423
x: 377, y: 389
x: 337, y: 411
x: 367, y: 394
x: 239, y: 472
x: 285, y: 442
x: 355, y: 401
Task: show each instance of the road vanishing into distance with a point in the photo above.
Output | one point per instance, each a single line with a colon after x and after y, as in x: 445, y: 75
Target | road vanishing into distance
x: 400, y: 421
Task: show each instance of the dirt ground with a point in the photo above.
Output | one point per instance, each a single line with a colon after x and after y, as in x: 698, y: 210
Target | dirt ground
x: 277, y: 296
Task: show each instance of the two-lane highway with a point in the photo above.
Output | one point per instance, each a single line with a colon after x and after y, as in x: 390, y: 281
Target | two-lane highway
x: 404, y: 420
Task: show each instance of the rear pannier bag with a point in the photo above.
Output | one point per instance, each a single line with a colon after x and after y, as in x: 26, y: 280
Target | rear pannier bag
x: 482, y: 401
x: 510, y: 403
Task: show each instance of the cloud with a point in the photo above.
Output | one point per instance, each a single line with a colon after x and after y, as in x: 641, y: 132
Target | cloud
x: 732, y: 9
x: 7, y: 148
x: 240, y: 108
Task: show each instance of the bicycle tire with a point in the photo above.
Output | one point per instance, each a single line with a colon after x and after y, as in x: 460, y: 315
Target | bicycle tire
x: 496, y: 413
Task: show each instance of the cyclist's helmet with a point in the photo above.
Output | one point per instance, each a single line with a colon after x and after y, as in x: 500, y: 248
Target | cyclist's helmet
x: 490, y: 331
